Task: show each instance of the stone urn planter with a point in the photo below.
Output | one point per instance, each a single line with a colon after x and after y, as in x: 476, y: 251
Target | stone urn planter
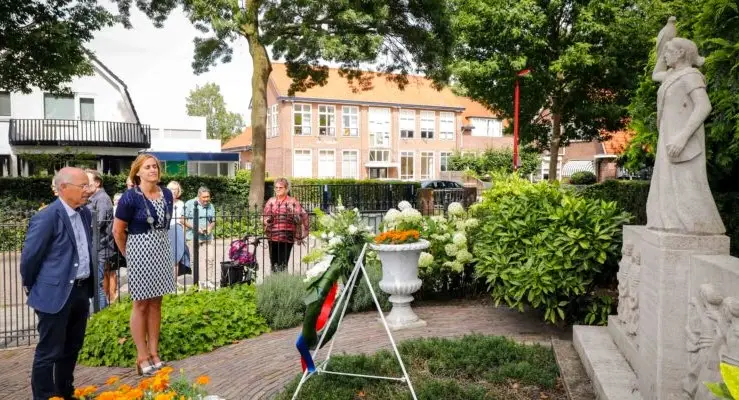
x: 400, y: 281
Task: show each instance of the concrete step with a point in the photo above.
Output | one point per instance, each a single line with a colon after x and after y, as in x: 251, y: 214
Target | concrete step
x: 611, y: 376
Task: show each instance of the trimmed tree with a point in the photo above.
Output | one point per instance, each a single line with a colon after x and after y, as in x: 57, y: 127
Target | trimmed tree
x: 408, y: 35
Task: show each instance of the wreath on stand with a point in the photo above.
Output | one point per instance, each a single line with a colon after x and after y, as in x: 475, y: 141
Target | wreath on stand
x: 343, y: 234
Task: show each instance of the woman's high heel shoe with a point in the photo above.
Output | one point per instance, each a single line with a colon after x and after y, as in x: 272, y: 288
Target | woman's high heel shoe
x: 158, y: 365
x: 145, y: 370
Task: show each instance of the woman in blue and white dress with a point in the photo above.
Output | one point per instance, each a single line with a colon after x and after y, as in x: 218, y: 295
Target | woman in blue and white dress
x: 142, y: 221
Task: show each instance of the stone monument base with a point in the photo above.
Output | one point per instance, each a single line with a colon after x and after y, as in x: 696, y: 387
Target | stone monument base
x: 665, y: 341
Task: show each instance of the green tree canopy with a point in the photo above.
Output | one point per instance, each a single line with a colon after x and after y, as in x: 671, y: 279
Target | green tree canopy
x: 406, y: 35
x: 714, y: 26
x: 42, y: 42
x: 207, y: 101
x: 585, y: 57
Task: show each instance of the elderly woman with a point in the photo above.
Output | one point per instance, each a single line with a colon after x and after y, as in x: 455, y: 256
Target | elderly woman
x: 179, y: 205
x: 140, y: 229
x: 285, y: 223
x: 680, y: 199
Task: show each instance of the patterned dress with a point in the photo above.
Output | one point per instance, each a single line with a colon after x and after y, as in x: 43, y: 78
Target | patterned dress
x: 148, y: 251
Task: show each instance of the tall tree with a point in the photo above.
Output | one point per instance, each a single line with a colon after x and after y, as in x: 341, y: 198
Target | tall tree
x: 207, y: 101
x: 41, y: 42
x: 585, y: 57
x: 714, y: 26
x: 407, y: 34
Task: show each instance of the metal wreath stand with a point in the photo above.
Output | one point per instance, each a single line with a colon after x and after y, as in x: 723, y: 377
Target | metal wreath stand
x: 321, y: 368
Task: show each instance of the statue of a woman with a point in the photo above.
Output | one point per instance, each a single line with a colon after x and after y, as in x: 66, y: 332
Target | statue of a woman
x: 679, y: 199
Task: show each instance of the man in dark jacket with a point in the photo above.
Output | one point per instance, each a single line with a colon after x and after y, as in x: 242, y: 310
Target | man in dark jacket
x: 100, y: 201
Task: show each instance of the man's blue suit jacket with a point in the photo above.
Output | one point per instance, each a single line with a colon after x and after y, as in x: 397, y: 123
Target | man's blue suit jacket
x: 49, y: 259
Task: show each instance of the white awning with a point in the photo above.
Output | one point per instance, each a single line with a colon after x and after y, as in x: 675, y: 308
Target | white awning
x: 380, y: 164
x: 573, y: 166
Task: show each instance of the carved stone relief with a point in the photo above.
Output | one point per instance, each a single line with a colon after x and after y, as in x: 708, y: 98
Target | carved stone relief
x: 623, y: 280
x: 632, y: 324
x: 712, y: 335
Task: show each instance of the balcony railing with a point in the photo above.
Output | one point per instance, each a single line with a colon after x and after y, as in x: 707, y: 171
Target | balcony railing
x: 62, y: 132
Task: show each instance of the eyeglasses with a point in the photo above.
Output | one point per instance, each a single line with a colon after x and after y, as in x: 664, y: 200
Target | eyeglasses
x: 83, y: 187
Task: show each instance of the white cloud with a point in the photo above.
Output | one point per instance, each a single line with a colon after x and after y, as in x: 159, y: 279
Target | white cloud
x: 155, y: 64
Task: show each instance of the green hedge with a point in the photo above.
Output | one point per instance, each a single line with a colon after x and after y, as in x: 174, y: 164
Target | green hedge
x: 631, y: 196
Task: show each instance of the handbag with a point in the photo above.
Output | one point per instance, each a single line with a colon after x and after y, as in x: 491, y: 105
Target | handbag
x: 183, y: 269
x: 117, y: 260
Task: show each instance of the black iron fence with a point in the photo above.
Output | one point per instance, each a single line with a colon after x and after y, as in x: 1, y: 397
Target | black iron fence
x: 234, y: 246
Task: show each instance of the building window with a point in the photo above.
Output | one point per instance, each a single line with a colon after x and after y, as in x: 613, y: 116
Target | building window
x: 379, y: 127
x: 58, y: 107
x: 486, y: 127
x: 199, y: 168
x: 301, y: 119
x: 444, y: 157
x: 327, y: 120
x: 350, y: 164
x: 302, y: 164
x: 272, y: 121
x: 4, y: 104
x: 446, y: 126
x: 406, y: 165
x: 428, y: 124
x: 87, y: 109
x: 327, y: 164
x: 378, y: 173
x: 407, y: 123
x: 427, y: 165
x: 350, y: 120
x: 379, y: 155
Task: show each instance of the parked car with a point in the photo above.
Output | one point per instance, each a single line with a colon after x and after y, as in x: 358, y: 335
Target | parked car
x: 440, y: 184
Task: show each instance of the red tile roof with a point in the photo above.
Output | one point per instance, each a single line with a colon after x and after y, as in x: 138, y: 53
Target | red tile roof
x: 242, y: 140
x: 618, y: 142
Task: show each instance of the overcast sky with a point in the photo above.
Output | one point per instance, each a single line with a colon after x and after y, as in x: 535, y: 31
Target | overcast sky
x: 155, y: 65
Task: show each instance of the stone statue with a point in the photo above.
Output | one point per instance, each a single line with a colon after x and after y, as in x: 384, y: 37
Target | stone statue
x: 731, y: 313
x: 632, y: 301
x: 623, y: 282
x: 704, y: 339
x: 679, y: 199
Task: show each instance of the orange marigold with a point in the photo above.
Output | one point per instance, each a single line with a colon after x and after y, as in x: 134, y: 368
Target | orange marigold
x: 135, y: 394
x: 202, y: 380
x: 112, y: 380
x: 397, y: 237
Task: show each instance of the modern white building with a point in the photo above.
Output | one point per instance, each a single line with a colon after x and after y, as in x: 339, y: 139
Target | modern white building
x: 99, y: 119
x: 184, y: 149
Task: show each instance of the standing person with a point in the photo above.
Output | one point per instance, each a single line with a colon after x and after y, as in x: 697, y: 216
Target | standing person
x: 285, y: 223
x: 100, y: 201
x: 129, y: 183
x: 140, y: 231
x: 206, y: 224
x: 56, y: 266
x: 179, y: 205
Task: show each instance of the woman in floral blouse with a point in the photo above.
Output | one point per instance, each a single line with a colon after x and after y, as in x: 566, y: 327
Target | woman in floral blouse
x: 285, y: 223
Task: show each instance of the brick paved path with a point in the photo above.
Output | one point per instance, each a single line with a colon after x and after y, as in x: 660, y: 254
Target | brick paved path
x: 258, y: 368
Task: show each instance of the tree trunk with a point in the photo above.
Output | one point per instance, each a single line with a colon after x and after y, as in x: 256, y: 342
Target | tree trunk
x: 554, y: 143
x: 262, y: 68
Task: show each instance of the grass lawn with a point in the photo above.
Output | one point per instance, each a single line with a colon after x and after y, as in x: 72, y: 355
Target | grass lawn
x: 471, y: 368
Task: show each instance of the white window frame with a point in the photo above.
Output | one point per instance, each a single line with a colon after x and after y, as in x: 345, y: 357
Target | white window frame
x: 486, y: 127
x: 444, y: 157
x: 10, y: 103
x: 306, y: 121
x: 82, y: 99
x: 350, y: 121
x: 376, y: 152
x: 332, y: 169
x: 412, y: 175
x: 199, y: 164
x: 407, y: 124
x: 310, y: 172
x: 272, y: 121
x: 344, y: 167
x: 446, y: 125
x: 431, y: 171
x: 71, y: 98
x: 329, y: 112
x: 379, y: 128
x: 428, y: 124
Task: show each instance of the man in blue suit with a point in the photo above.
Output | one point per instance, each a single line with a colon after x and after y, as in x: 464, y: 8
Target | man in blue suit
x: 56, y: 267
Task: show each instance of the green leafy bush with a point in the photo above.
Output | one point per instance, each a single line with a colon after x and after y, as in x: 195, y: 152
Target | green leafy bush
x: 192, y: 323
x: 280, y: 300
x: 494, y: 161
x: 583, y: 178
x: 543, y: 246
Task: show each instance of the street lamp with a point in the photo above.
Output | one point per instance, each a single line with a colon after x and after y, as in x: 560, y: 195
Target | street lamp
x: 516, y: 92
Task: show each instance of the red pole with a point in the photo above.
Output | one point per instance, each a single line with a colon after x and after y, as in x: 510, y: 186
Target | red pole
x: 515, y: 125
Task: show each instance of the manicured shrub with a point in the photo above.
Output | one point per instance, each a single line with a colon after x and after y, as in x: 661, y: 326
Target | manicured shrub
x: 583, y: 178
x: 280, y: 300
x: 192, y: 323
x: 543, y: 246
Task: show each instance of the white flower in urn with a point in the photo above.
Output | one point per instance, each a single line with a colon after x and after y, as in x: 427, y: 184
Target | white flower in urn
x: 391, y: 215
x: 455, y: 208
